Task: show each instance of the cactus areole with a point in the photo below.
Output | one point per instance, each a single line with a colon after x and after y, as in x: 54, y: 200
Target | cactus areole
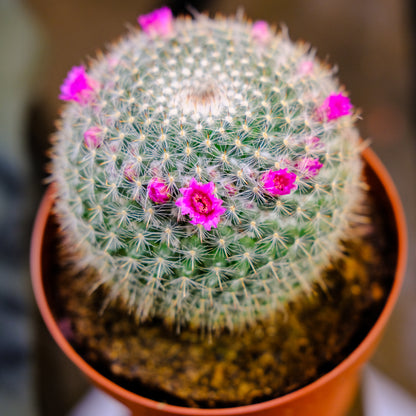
x: 207, y: 168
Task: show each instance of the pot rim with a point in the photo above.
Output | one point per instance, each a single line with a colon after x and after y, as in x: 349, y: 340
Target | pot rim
x: 127, y: 396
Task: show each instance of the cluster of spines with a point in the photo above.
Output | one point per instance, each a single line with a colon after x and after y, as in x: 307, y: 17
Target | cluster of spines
x: 207, y: 104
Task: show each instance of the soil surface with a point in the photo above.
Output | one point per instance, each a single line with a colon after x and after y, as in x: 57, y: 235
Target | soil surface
x: 269, y: 360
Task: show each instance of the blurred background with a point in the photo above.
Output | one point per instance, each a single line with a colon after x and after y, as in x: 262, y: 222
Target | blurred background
x: 371, y: 41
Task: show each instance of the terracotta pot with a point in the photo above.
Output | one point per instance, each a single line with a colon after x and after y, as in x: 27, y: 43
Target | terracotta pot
x: 330, y: 395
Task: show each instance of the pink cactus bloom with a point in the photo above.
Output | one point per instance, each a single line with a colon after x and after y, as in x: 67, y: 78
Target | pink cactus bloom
x: 231, y: 189
x: 113, y: 61
x: 201, y: 204
x: 93, y: 137
x: 260, y: 31
x: 130, y: 172
x: 335, y: 106
x: 158, y: 191
x: 78, y: 86
x: 279, y: 182
x: 309, y: 167
x: 313, y: 141
x: 157, y: 23
x: 305, y: 68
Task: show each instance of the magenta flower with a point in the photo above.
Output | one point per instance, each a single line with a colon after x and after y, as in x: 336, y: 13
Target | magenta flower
x: 260, y: 31
x: 130, y: 172
x: 335, y: 106
x: 309, y: 167
x: 159, y: 22
x: 279, y: 182
x: 93, y: 137
x: 77, y: 86
x: 201, y: 204
x: 158, y: 191
x: 231, y: 189
x: 113, y: 61
x: 305, y: 68
x: 313, y: 141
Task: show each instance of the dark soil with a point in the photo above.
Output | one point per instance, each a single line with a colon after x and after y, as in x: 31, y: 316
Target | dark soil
x: 273, y: 358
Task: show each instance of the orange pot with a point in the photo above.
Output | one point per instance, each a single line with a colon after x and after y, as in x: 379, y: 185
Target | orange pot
x: 330, y: 395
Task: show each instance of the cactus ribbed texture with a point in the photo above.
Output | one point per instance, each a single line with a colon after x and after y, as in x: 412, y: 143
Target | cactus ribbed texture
x: 209, y: 103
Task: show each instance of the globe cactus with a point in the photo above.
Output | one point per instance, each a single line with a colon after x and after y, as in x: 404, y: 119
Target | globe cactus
x: 208, y: 169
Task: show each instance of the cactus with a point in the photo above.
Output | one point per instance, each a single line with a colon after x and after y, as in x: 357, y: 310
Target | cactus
x: 207, y: 168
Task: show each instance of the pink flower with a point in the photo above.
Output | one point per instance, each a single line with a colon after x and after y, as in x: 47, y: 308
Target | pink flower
x: 279, y: 182
x: 113, y: 61
x: 231, y: 189
x: 155, y: 169
x: 305, y: 68
x: 130, y: 172
x: 309, y: 167
x: 77, y: 86
x: 313, y: 142
x: 212, y: 172
x: 158, y: 191
x: 201, y: 204
x: 249, y: 205
x: 335, y: 106
x: 93, y: 137
x: 159, y: 22
x: 261, y: 31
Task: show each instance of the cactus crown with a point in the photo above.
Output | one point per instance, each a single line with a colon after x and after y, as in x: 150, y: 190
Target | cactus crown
x: 206, y: 168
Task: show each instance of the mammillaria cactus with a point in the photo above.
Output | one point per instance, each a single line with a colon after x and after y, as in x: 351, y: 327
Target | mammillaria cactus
x: 207, y: 168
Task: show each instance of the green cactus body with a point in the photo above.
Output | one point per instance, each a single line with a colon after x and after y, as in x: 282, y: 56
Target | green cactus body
x: 209, y: 103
